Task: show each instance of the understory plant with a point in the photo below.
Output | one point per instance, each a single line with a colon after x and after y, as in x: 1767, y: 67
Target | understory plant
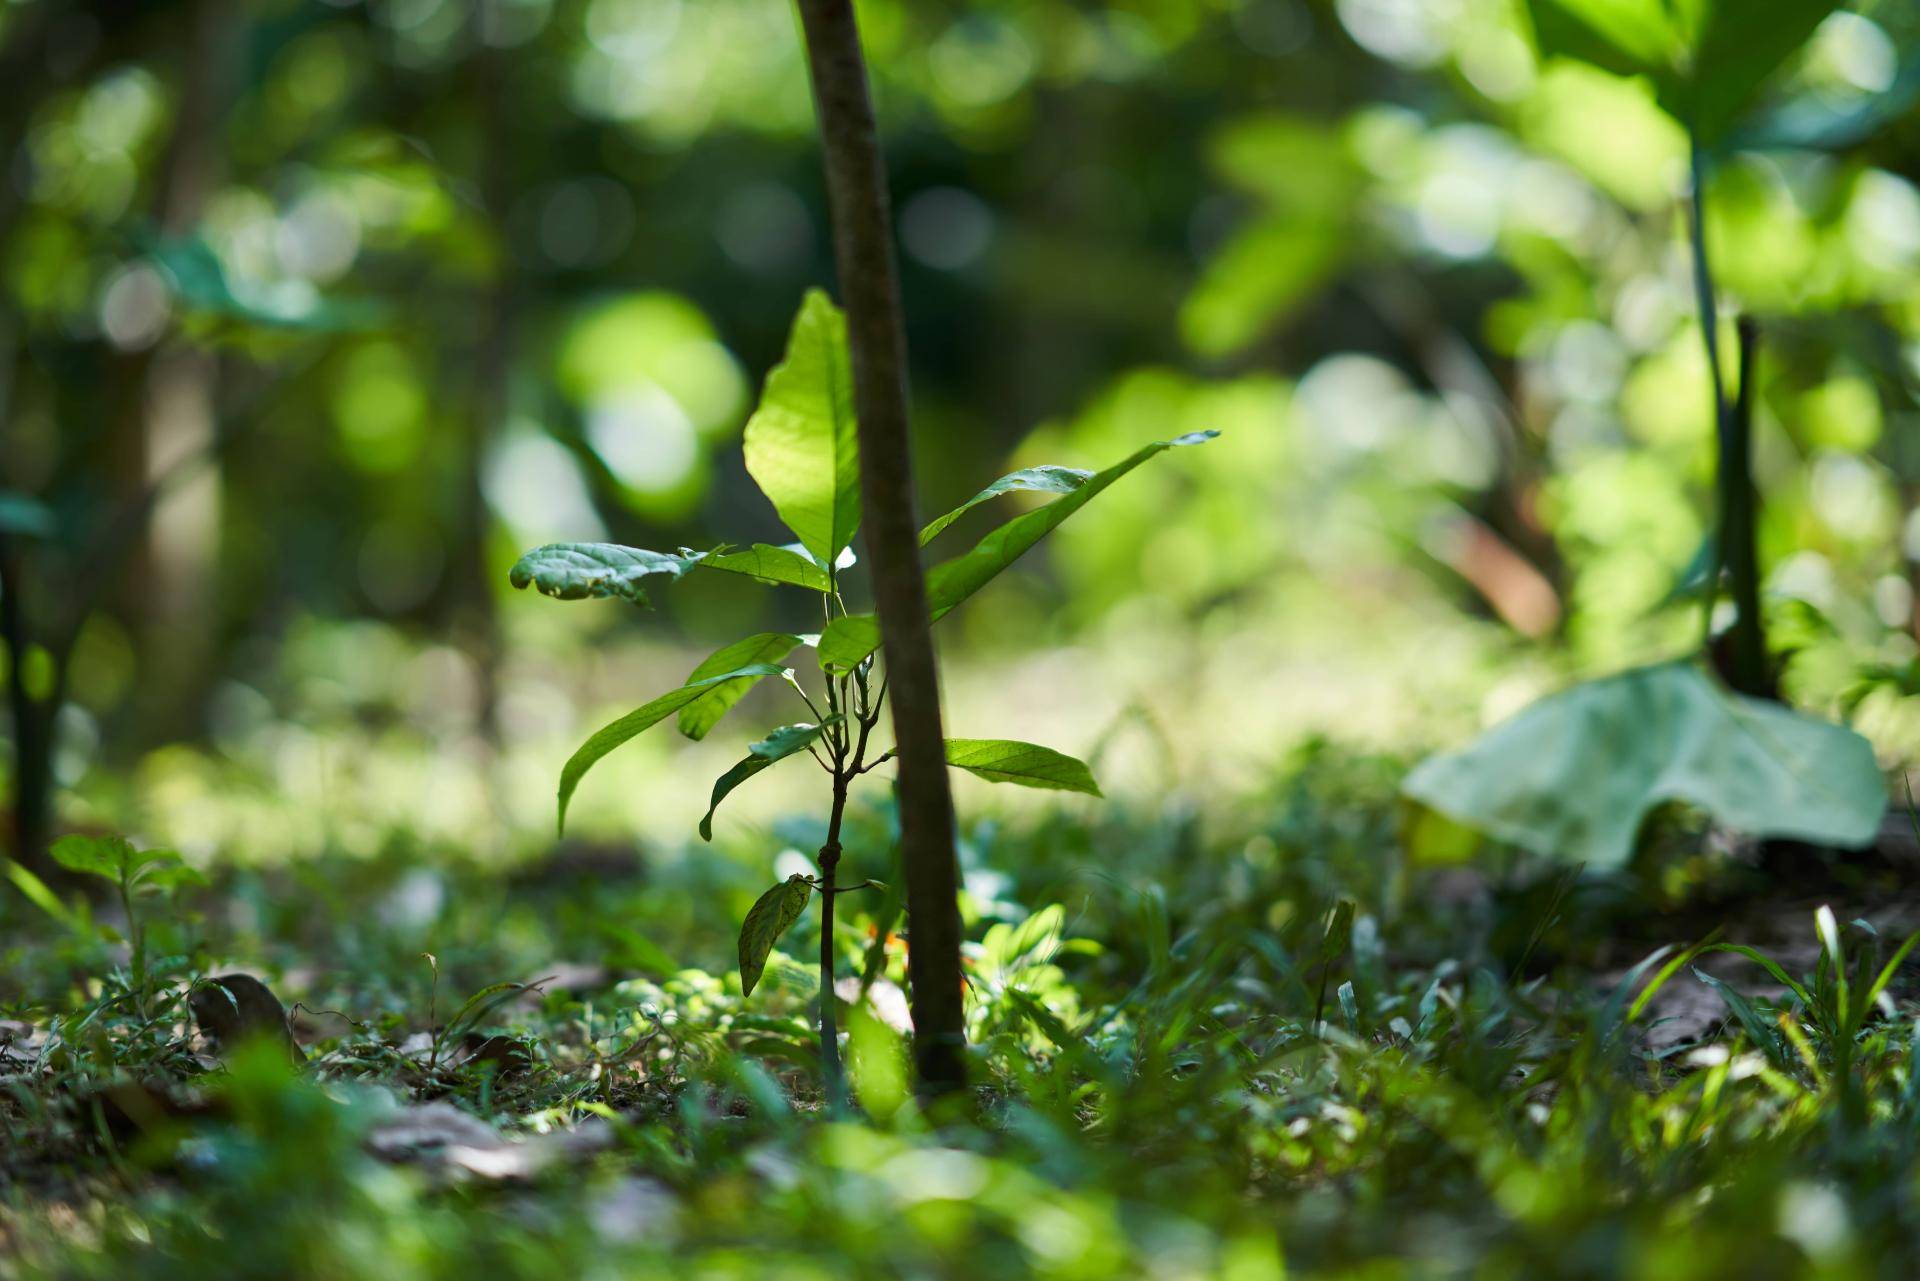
x: 1574, y: 775
x: 801, y: 450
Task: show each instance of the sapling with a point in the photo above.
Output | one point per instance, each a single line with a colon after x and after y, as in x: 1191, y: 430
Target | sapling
x: 134, y: 874
x: 801, y: 450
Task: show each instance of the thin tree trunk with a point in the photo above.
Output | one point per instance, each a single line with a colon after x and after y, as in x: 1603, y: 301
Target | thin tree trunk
x: 473, y: 590
x: 870, y: 289
x: 176, y: 602
x: 32, y: 720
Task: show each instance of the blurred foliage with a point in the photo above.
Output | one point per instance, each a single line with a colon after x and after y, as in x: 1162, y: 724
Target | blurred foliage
x: 316, y: 312
x: 412, y: 283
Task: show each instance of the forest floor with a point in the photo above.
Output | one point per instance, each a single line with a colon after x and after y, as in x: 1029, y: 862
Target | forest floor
x: 1186, y: 1065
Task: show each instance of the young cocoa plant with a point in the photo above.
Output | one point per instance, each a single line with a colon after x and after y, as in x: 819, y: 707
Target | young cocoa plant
x: 801, y: 450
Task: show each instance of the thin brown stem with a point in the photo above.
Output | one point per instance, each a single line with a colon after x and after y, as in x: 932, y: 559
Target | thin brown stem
x: 829, y: 860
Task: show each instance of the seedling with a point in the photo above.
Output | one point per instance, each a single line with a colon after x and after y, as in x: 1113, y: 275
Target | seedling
x: 801, y: 450
x: 134, y: 873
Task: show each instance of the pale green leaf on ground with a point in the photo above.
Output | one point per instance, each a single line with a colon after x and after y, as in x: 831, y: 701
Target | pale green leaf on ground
x: 584, y: 571
x: 1002, y: 760
x: 800, y: 444
x: 770, y: 564
x: 772, y: 915
x: 638, y: 720
x: 1045, y: 479
x: 1574, y: 775
x: 786, y: 741
x: 706, y: 709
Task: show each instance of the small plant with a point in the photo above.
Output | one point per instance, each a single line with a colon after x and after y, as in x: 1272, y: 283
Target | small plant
x: 801, y: 450
x: 134, y: 873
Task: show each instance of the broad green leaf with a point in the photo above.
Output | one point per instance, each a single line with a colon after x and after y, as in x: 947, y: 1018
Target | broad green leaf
x: 1741, y: 44
x: 777, y: 746
x: 800, y: 444
x: 770, y: 564
x: 20, y: 514
x: 1041, y: 480
x: 108, y: 856
x: 1001, y: 760
x: 1574, y: 775
x: 582, y: 571
x: 1626, y: 37
x: 638, y: 720
x: 772, y: 915
x: 851, y: 638
x: 1707, y: 59
x: 848, y: 641
x: 705, y: 711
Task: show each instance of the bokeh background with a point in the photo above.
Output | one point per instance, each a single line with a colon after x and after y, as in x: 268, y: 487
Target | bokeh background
x: 317, y: 312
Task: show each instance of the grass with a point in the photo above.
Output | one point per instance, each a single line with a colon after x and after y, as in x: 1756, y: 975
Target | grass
x: 1181, y: 1071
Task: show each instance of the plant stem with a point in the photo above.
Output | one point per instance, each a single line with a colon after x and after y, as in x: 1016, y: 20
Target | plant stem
x: 830, y: 1070
x: 137, y: 947
x: 870, y: 289
x: 1733, y: 432
x: 1738, y: 511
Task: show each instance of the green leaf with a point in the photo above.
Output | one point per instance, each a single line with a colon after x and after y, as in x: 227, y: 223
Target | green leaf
x: 769, y: 564
x: 851, y: 638
x: 109, y: 856
x: 772, y: 914
x: 1042, y: 480
x: 20, y: 514
x: 36, y: 891
x: 1574, y: 775
x: 777, y: 746
x: 951, y: 582
x: 1626, y: 37
x: 582, y: 571
x: 1708, y: 61
x: 638, y: 720
x: 162, y: 872
x: 801, y: 446
x: 848, y: 641
x: 200, y: 281
x: 1741, y: 44
x: 705, y: 711
x: 1260, y: 278
x: 1339, y: 932
x: 1001, y: 760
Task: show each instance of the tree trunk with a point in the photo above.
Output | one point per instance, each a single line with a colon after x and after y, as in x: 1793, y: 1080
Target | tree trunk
x: 870, y: 289
x: 32, y: 721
